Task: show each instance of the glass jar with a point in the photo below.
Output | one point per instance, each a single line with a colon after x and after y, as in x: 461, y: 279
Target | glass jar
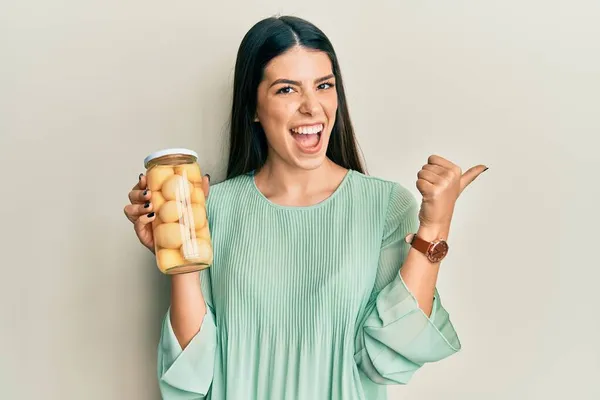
x: 182, y: 240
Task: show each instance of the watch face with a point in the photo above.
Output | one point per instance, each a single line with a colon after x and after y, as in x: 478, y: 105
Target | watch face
x: 438, y: 251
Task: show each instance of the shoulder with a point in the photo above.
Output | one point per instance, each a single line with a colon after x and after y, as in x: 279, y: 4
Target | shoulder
x: 392, y: 203
x: 225, y: 192
x: 399, y: 209
x: 229, y: 186
x: 395, y: 196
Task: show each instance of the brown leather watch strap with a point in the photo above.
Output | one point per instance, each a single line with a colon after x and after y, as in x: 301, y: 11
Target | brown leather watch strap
x: 420, y: 244
x: 435, y: 251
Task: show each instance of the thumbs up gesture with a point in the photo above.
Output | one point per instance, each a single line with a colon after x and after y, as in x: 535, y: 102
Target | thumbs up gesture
x: 441, y: 183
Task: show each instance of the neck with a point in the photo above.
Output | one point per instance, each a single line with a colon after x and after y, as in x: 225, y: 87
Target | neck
x: 290, y: 185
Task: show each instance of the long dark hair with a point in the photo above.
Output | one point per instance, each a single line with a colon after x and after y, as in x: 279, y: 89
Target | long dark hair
x: 264, y: 41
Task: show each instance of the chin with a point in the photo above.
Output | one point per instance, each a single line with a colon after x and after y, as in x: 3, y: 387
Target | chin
x: 310, y: 161
x: 310, y: 165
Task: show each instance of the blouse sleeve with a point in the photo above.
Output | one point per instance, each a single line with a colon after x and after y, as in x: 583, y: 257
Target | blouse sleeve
x: 187, y: 374
x: 396, y: 337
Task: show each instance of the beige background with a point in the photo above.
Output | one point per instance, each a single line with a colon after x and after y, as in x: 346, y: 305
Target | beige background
x: 88, y: 88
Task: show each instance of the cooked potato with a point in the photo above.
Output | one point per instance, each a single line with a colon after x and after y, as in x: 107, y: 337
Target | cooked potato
x: 168, y: 235
x: 156, y: 222
x: 177, y: 188
x: 191, y: 172
x: 171, y: 211
x: 157, y: 200
x: 193, y: 217
x: 197, y: 250
x: 198, y: 196
x: 199, y: 216
x: 169, y: 258
x: 203, y: 233
x: 157, y: 175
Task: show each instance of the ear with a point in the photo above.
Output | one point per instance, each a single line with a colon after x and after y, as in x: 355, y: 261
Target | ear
x: 256, y: 118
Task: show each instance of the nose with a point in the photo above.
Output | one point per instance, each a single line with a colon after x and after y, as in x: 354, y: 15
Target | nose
x: 310, y: 104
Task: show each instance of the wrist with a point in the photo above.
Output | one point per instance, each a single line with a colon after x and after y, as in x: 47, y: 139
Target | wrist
x: 185, y: 279
x: 433, y: 232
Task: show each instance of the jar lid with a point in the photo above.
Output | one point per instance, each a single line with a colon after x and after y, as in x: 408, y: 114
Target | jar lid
x: 168, y: 152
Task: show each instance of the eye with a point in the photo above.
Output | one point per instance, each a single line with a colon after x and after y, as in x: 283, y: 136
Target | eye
x: 285, y: 90
x: 325, y: 85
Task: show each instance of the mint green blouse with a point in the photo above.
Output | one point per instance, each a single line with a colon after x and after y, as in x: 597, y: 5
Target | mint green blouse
x: 306, y: 302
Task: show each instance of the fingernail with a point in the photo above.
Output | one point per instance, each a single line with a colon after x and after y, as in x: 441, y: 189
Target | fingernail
x: 147, y: 204
x: 145, y: 192
x: 151, y: 214
x: 140, y: 177
x: 486, y: 168
x: 208, y: 177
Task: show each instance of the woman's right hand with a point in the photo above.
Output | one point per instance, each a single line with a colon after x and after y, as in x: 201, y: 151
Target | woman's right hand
x: 141, y: 213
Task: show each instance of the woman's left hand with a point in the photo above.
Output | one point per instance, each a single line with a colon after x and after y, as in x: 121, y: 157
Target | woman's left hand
x: 441, y: 182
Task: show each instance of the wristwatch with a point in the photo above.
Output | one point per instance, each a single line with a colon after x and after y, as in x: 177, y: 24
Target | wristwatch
x: 435, y: 250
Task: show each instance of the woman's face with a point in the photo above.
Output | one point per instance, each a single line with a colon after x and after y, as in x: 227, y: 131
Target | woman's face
x: 297, y: 103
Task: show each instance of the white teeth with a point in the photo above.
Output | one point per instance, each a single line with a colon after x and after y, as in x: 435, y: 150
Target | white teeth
x: 308, y: 130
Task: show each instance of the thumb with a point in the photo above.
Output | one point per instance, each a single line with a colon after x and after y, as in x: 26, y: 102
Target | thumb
x: 206, y: 185
x: 470, y: 175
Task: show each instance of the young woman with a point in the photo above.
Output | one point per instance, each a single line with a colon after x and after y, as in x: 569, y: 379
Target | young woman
x: 317, y: 290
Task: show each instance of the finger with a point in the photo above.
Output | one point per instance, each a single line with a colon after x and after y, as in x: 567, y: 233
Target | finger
x: 441, y: 161
x: 425, y: 187
x: 142, y: 221
x: 139, y: 196
x: 206, y: 185
x: 134, y: 211
x: 429, y: 176
x: 436, y: 169
x: 471, y: 174
x: 141, y: 183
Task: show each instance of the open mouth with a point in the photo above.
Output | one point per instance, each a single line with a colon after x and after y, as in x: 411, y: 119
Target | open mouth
x: 308, y: 137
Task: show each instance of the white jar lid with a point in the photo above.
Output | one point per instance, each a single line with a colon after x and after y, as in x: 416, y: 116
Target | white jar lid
x: 168, y: 152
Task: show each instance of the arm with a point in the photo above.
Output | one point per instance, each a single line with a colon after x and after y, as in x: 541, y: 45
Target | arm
x: 419, y: 274
x: 440, y: 182
x: 187, y: 307
x: 396, y: 335
x: 188, y: 340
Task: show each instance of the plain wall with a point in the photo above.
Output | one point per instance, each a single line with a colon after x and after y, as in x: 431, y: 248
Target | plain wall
x: 89, y: 88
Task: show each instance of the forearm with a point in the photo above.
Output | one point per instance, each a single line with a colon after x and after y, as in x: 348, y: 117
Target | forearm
x: 187, y: 307
x: 420, y: 274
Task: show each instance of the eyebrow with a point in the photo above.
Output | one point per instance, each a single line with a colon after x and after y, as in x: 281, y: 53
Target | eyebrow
x: 291, y: 82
